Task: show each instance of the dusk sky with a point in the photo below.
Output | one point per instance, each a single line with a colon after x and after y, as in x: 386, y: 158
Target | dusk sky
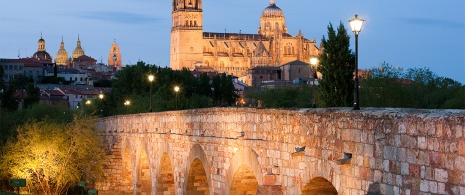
x: 413, y: 33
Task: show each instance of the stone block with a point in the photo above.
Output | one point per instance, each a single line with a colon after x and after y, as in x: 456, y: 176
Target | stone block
x: 424, y: 186
x: 408, y: 141
x: 423, y: 158
x: 411, y: 156
x: 435, y: 159
x: 390, y: 152
x: 404, y: 168
x: 459, y: 164
x: 461, y: 147
x: 386, y: 165
x: 422, y: 143
x: 414, y: 170
x: 433, y: 186
x: 441, y: 175
x: 269, y: 180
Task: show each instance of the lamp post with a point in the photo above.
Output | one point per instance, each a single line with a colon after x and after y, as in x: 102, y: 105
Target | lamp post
x: 127, y: 103
x: 101, y: 96
x: 176, y: 89
x: 88, y: 102
x: 356, y: 25
x: 151, y: 78
x: 314, y: 76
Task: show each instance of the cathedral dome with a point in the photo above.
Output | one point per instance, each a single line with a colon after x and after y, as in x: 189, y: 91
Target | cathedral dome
x: 272, y: 11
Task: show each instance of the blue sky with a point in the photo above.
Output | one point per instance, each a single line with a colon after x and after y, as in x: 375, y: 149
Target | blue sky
x: 408, y: 34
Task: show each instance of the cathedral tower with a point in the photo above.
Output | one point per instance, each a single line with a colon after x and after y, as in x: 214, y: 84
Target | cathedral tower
x: 186, y: 34
x: 78, y: 51
x: 62, y: 55
x: 114, y: 58
x: 272, y: 21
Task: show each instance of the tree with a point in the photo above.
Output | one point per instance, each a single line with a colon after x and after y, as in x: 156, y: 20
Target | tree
x: 223, y: 90
x: 337, y: 65
x: 54, y: 156
x: 288, y: 97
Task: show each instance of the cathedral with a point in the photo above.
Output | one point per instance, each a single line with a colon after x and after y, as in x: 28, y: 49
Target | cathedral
x: 234, y: 53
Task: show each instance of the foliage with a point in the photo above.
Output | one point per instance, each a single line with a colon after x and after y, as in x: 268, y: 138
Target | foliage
x: 102, y: 83
x: 223, y: 90
x: 337, y: 64
x: 9, y: 121
x: 33, y: 95
x: 389, y: 86
x: 297, y: 97
x: 23, y: 84
x: 54, y: 156
x: 131, y: 83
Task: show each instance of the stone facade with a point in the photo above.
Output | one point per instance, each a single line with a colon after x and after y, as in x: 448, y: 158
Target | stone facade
x: 114, y: 58
x: 307, y: 151
x: 234, y: 53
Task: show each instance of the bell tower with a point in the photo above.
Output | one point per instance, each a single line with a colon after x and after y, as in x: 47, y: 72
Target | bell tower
x: 186, y: 34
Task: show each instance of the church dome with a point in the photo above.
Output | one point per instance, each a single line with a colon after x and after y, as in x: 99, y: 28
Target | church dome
x: 42, y: 55
x: 272, y: 11
x: 41, y: 52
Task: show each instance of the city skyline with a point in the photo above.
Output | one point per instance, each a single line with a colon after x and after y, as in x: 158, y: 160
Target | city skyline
x: 404, y: 34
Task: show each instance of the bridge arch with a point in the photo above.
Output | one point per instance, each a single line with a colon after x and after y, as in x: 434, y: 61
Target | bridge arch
x: 319, y: 186
x: 127, y: 162
x: 245, y: 162
x: 323, y: 173
x: 197, y: 170
x: 143, y: 169
x: 165, y: 171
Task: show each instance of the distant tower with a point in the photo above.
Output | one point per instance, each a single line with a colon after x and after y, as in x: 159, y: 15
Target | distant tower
x: 78, y: 51
x: 41, y: 53
x: 186, y: 34
x: 114, y: 58
x: 62, y: 55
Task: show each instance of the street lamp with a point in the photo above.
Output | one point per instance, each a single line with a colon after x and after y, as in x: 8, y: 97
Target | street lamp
x: 151, y: 78
x: 314, y: 76
x: 176, y: 89
x: 356, y: 25
x: 101, y: 96
x: 127, y: 103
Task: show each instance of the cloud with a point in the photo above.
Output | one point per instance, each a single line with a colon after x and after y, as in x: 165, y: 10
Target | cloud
x: 120, y: 17
x: 433, y: 22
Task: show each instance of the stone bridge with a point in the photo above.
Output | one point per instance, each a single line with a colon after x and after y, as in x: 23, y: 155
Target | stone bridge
x: 270, y: 151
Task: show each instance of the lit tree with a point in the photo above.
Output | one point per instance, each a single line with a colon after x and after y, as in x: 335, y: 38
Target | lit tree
x: 54, y: 156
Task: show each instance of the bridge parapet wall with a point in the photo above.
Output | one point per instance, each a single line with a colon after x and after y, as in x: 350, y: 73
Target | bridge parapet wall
x: 393, y: 151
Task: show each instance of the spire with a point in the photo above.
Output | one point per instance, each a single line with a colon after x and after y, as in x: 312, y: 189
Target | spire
x: 272, y: 2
